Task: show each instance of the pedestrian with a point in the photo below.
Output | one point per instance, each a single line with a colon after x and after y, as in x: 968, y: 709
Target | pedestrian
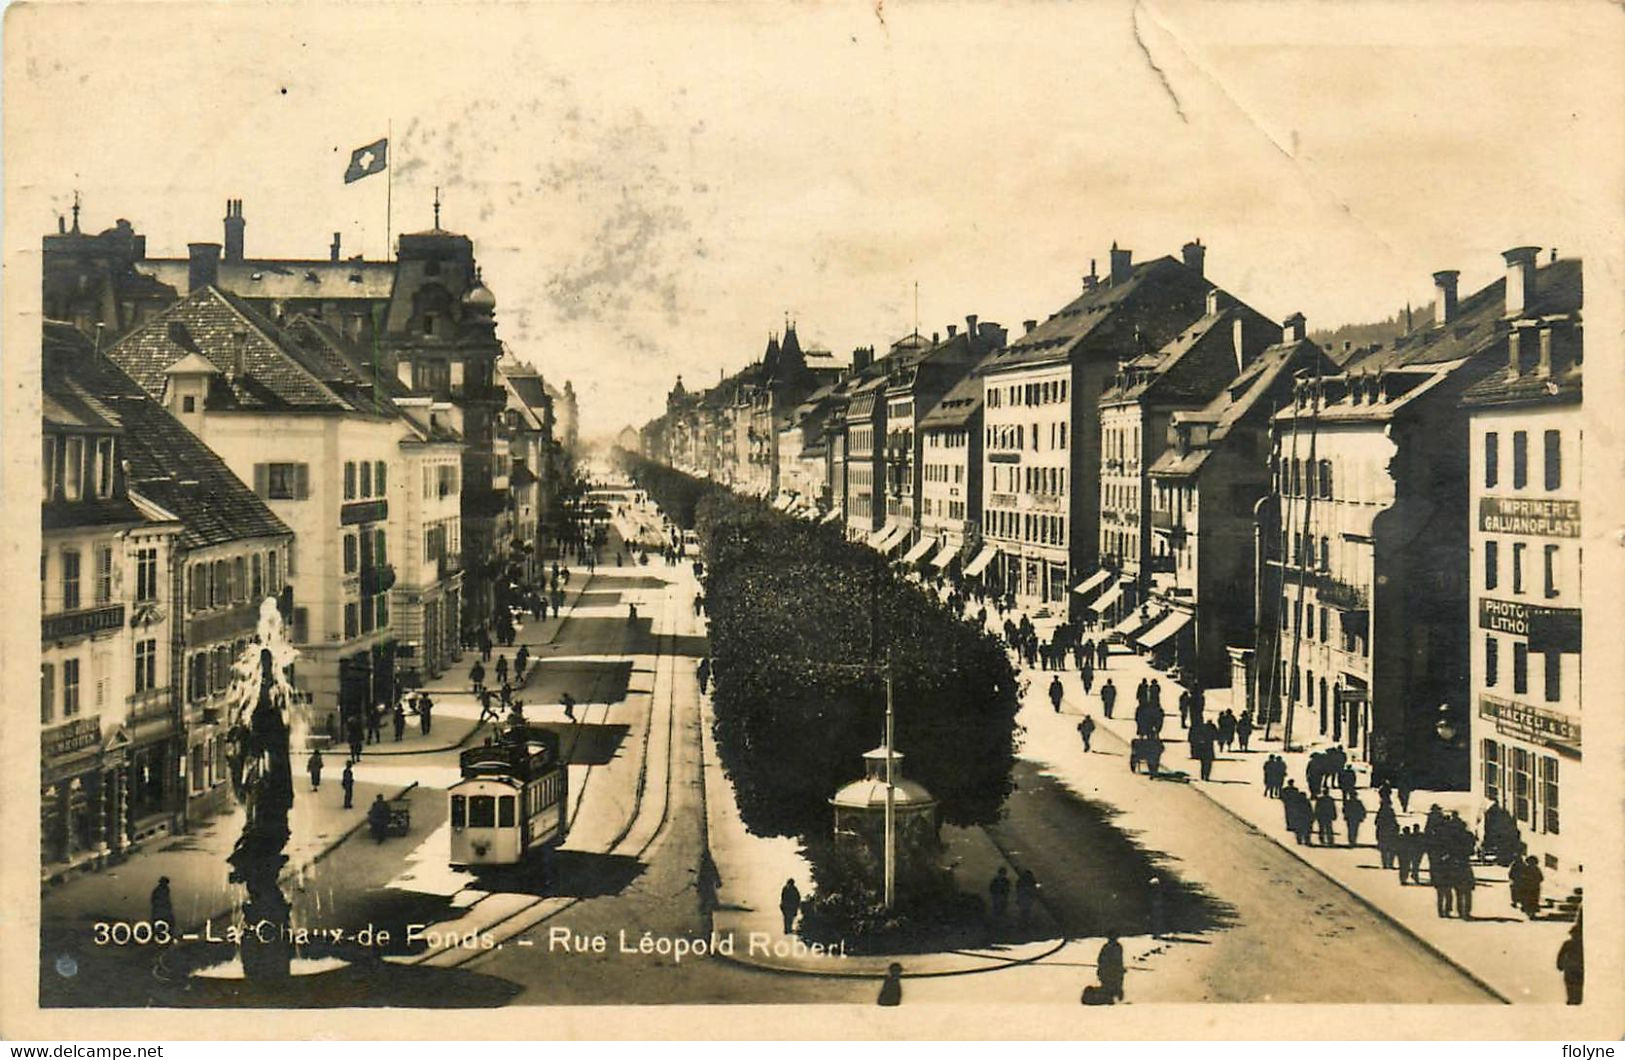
x: 1055, y: 693
x: 1462, y: 883
x: 1026, y: 895
x: 1184, y: 708
x: 162, y: 906
x: 999, y: 890
x: 1136, y: 748
x: 1108, y: 698
x: 1153, y: 755
x: 1269, y: 778
x: 1353, y: 816
x: 521, y: 663
x: 703, y: 673
x: 891, y: 988
x: 1387, y: 825
x: 476, y: 676
x: 1227, y: 729
x: 1244, y: 729
x: 314, y: 767
x: 1325, y: 817
x: 1347, y: 781
x: 502, y: 669
x: 378, y: 818
x: 1086, y: 729
x: 789, y: 904
x: 398, y: 716
x: 1295, y: 807
x: 1109, y: 968
x: 1156, y: 694
x: 708, y: 883
x: 1101, y: 654
x: 568, y: 702
x: 1087, y: 674
x: 1571, y: 961
x: 1533, y: 878
x: 425, y: 714
x: 485, y: 645
x: 1404, y: 796
x: 375, y: 724
x: 347, y: 782
x: 1202, y: 736
x: 488, y: 710
x: 357, y: 738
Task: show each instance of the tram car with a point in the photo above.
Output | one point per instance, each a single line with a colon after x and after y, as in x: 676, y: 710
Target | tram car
x: 511, y: 801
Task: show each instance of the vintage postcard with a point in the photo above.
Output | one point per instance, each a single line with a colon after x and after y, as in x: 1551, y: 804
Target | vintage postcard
x: 975, y: 520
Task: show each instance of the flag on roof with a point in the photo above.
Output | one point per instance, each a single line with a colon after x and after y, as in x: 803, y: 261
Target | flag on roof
x: 365, y: 161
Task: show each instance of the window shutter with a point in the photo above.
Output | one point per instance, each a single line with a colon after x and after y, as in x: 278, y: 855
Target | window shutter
x: 262, y: 480
x: 301, y: 486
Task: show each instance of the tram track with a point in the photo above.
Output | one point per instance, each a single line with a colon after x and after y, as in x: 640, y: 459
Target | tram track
x: 534, y: 910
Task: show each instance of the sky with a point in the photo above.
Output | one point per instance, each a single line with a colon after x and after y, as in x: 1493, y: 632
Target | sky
x: 653, y: 189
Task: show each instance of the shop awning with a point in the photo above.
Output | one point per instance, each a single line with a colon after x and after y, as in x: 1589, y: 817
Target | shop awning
x: 1093, y: 582
x: 878, y: 537
x: 945, y: 555
x: 890, y: 543
x: 981, y: 562
x: 1135, y: 621
x: 833, y: 515
x: 1171, y: 623
x: 1107, y: 599
x: 921, y: 547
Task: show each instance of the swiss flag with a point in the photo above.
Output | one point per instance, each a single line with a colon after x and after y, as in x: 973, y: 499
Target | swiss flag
x: 365, y: 161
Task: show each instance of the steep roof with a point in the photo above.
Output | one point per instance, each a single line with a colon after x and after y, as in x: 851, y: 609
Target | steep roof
x: 957, y: 407
x: 287, y: 280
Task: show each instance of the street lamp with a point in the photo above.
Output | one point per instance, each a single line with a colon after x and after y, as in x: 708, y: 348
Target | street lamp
x: 1445, y: 727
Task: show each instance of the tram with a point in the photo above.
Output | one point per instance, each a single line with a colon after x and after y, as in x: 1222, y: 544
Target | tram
x: 511, y: 801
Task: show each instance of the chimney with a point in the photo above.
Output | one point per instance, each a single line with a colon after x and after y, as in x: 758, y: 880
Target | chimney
x: 1444, y: 286
x: 862, y: 357
x: 333, y: 250
x: 204, y: 266
x: 1520, y: 278
x: 1217, y: 301
x: 1195, y: 255
x: 970, y: 325
x: 1293, y: 328
x: 936, y: 337
x: 234, y: 231
x: 61, y: 225
x: 953, y: 329
x: 239, y: 354
x: 1543, y: 368
x: 1122, y: 264
x: 1091, y: 281
x: 1030, y: 325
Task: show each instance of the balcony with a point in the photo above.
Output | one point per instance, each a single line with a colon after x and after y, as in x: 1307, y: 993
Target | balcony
x: 447, y: 564
x: 1341, y: 595
x: 354, y: 513
x: 81, y: 622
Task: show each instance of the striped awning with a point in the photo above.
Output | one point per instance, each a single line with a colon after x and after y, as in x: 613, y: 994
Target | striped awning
x: 921, y: 547
x: 945, y: 555
x: 1107, y: 599
x: 1135, y: 621
x: 1171, y: 624
x: 1093, y: 582
x: 890, y: 543
x: 879, y: 537
x: 981, y: 562
x: 833, y: 515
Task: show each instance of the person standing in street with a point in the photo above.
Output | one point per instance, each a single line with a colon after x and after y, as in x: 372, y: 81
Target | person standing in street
x: 568, y: 702
x: 1086, y: 674
x: 398, y: 716
x: 502, y: 669
x: 999, y: 891
x: 789, y: 904
x: 1201, y: 742
x: 1387, y: 825
x: 1055, y: 693
x: 1571, y: 961
x: 1353, y: 816
x: 1109, y: 967
x: 703, y: 673
x: 314, y: 767
x: 1325, y: 817
x: 1101, y: 654
x: 425, y: 713
x: 891, y: 988
x: 375, y: 724
x: 476, y: 676
x: 162, y: 905
x: 357, y: 739
x: 1108, y: 698
x: 378, y: 818
x: 485, y: 645
x: 1244, y: 729
x: 347, y: 782
x: 1086, y: 729
x: 1184, y: 708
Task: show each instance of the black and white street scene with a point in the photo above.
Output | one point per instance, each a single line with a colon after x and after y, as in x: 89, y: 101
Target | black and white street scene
x: 634, y: 504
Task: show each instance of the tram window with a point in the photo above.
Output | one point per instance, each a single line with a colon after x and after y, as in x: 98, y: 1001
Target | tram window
x: 459, y: 807
x: 482, y: 811
x: 505, y: 812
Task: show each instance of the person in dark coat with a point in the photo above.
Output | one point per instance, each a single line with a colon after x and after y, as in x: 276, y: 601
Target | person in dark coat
x: 375, y: 723
x: 703, y: 673
x: 1387, y: 824
x: 568, y: 702
x: 357, y: 739
x: 1026, y: 895
x: 485, y: 645
x: 378, y: 818
x: 1244, y: 729
x: 1102, y: 656
x: 1153, y: 754
x: 314, y: 766
x: 398, y: 718
x: 425, y: 714
x: 789, y: 904
x: 1086, y: 729
x: 1325, y: 817
x: 1295, y: 806
x: 1108, y: 697
x: 162, y: 905
x: 1353, y: 816
x: 1527, y: 897
x: 891, y: 988
x: 347, y: 782
x: 998, y: 890
x: 1185, y: 708
x: 476, y: 676
x: 1055, y: 693
x: 1202, y: 736
x: 1571, y: 961
x: 1227, y: 729
x: 1086, y: 673
x: 1109, y: 967
x: 502, y: 668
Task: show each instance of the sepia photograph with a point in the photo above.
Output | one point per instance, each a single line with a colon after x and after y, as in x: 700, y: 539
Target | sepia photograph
x: 983, y: 520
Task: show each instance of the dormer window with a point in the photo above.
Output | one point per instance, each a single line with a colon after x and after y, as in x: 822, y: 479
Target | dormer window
x: 428, y: 323
x: 189, y: 403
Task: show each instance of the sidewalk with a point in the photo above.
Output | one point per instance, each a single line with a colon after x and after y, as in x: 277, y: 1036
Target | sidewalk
x: 1499, y: 947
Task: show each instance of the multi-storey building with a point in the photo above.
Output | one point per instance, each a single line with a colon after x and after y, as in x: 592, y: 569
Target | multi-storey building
x: 1041, y: 422
x: 112, y: 738
x: 951, y: 473
x: 1204, y: 488
x: 1135, y: 411
x: 1525, y: 517
x: 1366, y: 534
x: 865, y: 428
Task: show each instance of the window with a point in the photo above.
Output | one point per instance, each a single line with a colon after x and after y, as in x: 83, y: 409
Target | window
x: 1326, y: 480
x: 1492, y: 459
x: 70, y: 688
x: 482, y: 811
x: 146, y: 665
x: 349, y: 553
x: 379, y: 478
x: 1548, y: 791
x: 1520, y: 667
x: 380, y: 555
x: 1517, y: 566
x: 189, y: 403
x: 239, y: 580
x: 219, y: 584
x: 301, y: 625
x: 104, y: 467
x: 1324, y: 627
x: 352, y: 622
x: 47, y: 693
x: 1309, y: 623
x: 283, y: 482
x: 104, y: 574
x: 1554, y: 460
x: 1520, y: 459
x: 1551, y: 570
x: 1522, y: 782
x: 459, y: 811
x: 505, y: 807
x: 256, y: 577
x: 49, y: 466
x: 366, y: 478
x: 146, y: 575
x: 272, y: 578
x: 1554, y: 676
x: 366, y: 614
x: 349, y: 480
x: 1493, y: 780
x: 70, y: 579
x: 1492, y: 660
x: 73, y: 465
x: 1492, y: 558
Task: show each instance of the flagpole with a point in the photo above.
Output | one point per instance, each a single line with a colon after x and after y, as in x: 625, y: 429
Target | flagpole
x: 389, y: 189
